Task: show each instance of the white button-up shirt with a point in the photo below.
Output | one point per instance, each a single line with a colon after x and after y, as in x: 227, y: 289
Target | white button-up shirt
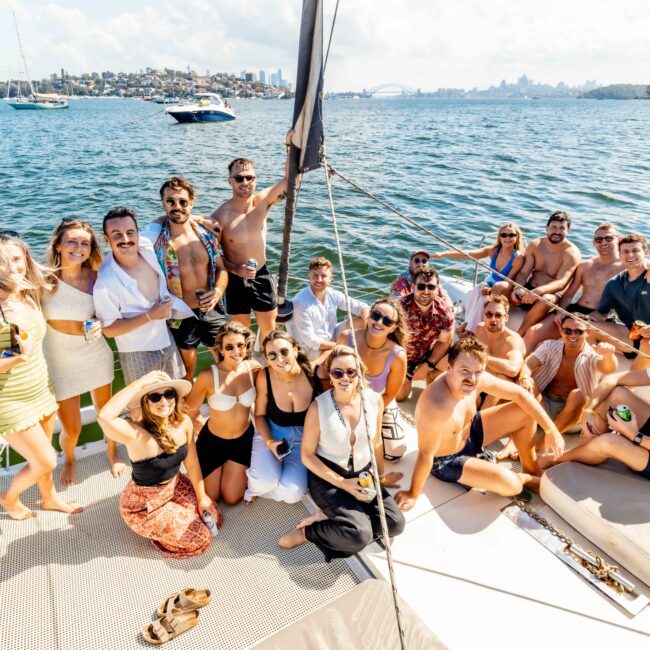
x: 315, y: 321
x: 117, y: 296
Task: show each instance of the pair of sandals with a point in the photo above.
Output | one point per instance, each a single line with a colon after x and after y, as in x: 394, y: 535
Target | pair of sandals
x: 178, y: 613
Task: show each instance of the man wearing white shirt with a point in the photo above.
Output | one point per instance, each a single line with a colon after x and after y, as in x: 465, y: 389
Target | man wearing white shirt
x: 315, y: 311
x: 132, y: 301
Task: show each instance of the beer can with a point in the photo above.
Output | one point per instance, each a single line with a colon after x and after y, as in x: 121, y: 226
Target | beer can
x: 624, y: 412
x: 87, y: 329
x: 635, y: 330
x: 252, y: 262
x: 365, y: 480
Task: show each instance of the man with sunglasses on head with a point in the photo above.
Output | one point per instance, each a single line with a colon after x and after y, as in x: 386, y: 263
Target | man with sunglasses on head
x: 549, y: 263
x: 589, y: 279
x: 565, y: 373
x: 243, y: 219
x: 402, y: 285
x: 315, y: 308
x: 188, y: 253
x: 430, y: 319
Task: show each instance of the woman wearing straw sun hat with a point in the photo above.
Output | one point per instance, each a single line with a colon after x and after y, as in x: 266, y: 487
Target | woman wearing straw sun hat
x: 159, y: 502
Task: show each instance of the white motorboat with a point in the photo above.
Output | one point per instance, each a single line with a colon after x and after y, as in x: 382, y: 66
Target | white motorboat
x: 203, y: 107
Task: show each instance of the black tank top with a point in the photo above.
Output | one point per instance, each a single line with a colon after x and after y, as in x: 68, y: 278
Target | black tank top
x: 283, y: 418
x: 157, y: 470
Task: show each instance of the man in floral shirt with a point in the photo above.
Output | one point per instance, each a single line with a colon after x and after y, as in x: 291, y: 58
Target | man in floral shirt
x: 402, y: 285
x: 430, y: 318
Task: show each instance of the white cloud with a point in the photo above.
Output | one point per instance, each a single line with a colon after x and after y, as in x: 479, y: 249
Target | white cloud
x: 420, y: 43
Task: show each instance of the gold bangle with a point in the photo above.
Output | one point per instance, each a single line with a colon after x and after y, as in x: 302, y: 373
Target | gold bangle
x: 548, y: 432
x: 382, y: 480
x: 269, y: 442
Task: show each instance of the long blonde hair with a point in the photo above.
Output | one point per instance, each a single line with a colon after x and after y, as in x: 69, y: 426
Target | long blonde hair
x: 37, y: 277
x: 519, y: 240
x: 53, y: 257
x: 160, y: 428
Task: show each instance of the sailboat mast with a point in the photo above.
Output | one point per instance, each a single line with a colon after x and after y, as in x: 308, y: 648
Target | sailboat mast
x: 22, y: 53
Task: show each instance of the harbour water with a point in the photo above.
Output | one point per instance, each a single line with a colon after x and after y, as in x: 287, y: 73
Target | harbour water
x: 459, y: 167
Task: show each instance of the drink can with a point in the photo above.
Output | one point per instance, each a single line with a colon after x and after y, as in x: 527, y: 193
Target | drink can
x: 624, y: 412
x: 87, y: 329
x: 252, y: 262
x: 635, y: 330
x: 365, y: 480
x: 210, y: 523
x: 6, y: 354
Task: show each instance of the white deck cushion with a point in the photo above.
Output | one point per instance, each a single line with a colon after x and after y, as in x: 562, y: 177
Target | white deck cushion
x: 609, y: 504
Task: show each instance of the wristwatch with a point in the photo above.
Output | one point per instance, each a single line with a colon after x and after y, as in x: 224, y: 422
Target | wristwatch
x: 637, y: 439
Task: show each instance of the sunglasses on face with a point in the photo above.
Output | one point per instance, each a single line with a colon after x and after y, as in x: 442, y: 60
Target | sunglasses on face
x: 577, y: 331
x: 168, y: 394
x: 420, y: 260
x: 240, y: 178
x: 230, y: 347
x: 494, y: 314
x: 421, y: 286
x: 608, y: 238
x: 172, y: 202
x: 376, y: 315
x: 508, y: 235
x: 339, y: 373
x: 284, y: 352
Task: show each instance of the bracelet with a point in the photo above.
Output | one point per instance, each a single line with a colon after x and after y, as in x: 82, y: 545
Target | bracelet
x: 288, y: 146
x: 269, y: 442
x: 548, y: 432
x: 638, y: 439
x: 430, y: 364
x: 382, y: 480
x: 590, y: 411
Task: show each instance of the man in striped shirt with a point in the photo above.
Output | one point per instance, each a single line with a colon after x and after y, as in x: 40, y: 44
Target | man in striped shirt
x: 565, y: 372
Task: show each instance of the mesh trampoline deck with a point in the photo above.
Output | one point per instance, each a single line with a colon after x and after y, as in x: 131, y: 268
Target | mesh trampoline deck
x: 86, y: 581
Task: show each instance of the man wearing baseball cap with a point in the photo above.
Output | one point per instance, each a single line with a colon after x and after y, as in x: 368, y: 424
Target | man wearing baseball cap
x: 403, y: 284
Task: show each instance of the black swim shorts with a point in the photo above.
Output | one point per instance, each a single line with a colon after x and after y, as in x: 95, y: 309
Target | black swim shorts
x: 575, y: 308
x: 213, y: 451
x: 258, y: 294
x: 202, y: 329
x: 450, y: 468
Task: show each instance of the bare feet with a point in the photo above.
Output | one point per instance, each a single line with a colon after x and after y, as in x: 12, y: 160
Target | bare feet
x: 68, y: 473
x: 69, y: 507
x: 319, y: 515
x: 531, y: 482
x: 17, y: 511
x: 509, y: 451
x: 293, y: 538
x: 545, y: 461
x: 117, y: 468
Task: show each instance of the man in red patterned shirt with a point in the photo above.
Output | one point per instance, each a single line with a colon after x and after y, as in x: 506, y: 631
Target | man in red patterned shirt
x: 430, y: 319
x: 402, y: 285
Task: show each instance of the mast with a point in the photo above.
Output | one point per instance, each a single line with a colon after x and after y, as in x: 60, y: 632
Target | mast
x: 22, y: 53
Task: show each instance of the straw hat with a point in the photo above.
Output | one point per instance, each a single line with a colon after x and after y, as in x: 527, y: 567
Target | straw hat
x: 181, y: 386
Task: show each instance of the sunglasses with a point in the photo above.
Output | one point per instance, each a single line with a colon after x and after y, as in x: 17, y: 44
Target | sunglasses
x: 577, y: 331
x: 508, y: 235
x: 239, y: 178
x: 339, y: 373
x: 494, y: 314
x: 421, y: 260
x: 421, y: 286
x: 5, y: 234
x: 284, y: 352
x: 608, y: 238
x: 229, y: 347
x: 172, y: 202
x: 169, y: 395
x: 378, y: 316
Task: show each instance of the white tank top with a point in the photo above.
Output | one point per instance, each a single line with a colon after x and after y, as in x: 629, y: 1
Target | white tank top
x: 334, y: 441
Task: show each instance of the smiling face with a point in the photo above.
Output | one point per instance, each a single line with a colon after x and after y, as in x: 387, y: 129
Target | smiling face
x: 340, y: 370
x: 242, y: 180
x: 573, y: 334
x: 280, y: 354
x: 606, y: 241
x: 464, y: 374
x: 425, y: 290
x: 383, y: 320
x: 122, y: 236
x: 75, y: 247
x: 320, y: 278
x: 508, y: 237
x: 633, y: 256
x: 233, y: 348
x: 177, y: 203
x: 418, y: 261
x: 16, y: 264
x: 556, y: 231
x: 165, y: 404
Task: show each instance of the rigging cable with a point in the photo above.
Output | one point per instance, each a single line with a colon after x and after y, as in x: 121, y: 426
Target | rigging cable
x: 590, y: 324
x: 373, y: 461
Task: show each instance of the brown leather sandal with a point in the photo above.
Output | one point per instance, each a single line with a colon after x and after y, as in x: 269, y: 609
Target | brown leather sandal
x: 184, y: 601
x: 169, y: 627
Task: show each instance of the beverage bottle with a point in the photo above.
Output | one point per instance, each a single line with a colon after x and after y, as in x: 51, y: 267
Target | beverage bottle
x: 210, y: 523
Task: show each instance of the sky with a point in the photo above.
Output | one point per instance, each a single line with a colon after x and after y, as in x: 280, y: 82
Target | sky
x: 424, y: 44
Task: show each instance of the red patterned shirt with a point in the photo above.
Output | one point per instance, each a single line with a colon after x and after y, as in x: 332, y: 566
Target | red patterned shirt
x: 425, y: 327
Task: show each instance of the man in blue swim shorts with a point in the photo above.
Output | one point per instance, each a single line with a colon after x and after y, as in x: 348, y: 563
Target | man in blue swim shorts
x: 451, y: 433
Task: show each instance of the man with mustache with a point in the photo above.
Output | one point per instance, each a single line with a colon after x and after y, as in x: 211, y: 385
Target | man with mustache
x: 590, y: 279
x: 451, y: 433
x: 430, y: 318
x: 132, y: 301
x: 549, y: 263
x: 628, y: 294
x: 188, y: 254
x: 566, y: 372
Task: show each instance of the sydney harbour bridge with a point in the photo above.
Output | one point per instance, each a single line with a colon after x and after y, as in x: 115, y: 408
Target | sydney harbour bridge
x: 391, y: 89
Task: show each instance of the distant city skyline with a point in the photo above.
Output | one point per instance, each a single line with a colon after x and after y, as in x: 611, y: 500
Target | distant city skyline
x: 427, y: 44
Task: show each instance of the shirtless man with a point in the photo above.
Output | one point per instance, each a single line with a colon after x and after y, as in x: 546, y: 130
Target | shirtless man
x: 590, y: 278
x: 549, y: 263
x: 243, y: 220
x: 452, y: 432
x: 189, y: 257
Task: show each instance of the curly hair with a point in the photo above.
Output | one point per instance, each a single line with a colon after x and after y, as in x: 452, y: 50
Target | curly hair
x: 178, y: 183
x: 469, y: 345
